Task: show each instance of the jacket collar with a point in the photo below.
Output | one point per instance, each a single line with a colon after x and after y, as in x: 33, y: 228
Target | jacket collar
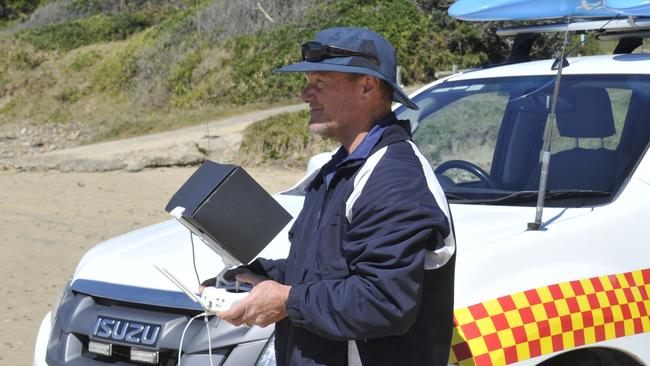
x: 386, y: 131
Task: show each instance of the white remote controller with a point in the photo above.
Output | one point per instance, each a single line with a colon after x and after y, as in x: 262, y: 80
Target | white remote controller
x: 215, y: 299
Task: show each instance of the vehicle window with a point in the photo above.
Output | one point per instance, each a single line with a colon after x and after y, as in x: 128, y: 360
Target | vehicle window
x: 484, y: 137
x: 465, y: 129
x: 620, y: 101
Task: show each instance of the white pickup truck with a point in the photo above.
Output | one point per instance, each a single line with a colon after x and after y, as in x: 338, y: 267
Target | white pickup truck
x: 572, y: 290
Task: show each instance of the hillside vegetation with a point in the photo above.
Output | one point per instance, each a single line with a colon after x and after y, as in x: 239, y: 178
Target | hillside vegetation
x: 119, y: 68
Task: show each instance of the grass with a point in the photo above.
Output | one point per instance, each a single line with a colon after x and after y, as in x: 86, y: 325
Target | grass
x: 116, y: 71
x: 84, y: 60
x: 8, y: 24
x: 283, y: 138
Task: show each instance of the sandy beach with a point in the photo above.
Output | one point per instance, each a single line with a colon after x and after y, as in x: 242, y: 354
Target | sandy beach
x: 50, y: 219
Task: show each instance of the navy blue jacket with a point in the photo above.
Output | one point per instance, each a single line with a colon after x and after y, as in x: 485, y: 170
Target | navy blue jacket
x: 371, y: 223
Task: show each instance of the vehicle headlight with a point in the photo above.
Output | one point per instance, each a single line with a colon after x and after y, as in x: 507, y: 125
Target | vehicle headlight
x: 65, y: 295
x: 267, y: 357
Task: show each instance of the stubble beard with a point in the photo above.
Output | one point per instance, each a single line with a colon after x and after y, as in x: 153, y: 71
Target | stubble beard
x: 323, y: 129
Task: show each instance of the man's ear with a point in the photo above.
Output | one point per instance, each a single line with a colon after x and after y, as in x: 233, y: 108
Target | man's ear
x: 370, y: 85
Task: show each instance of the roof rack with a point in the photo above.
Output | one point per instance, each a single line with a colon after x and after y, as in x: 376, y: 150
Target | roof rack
x: 628, y: 31
x: 604, y: 26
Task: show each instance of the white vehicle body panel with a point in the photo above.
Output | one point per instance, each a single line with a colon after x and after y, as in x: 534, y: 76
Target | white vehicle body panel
x: 615, y: 64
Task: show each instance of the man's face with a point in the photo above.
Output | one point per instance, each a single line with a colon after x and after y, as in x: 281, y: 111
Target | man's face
x: 333, y: 99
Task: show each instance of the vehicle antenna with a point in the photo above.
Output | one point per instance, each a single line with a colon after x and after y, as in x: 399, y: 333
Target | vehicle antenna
x: 548, y: 136
x: 559, y: 63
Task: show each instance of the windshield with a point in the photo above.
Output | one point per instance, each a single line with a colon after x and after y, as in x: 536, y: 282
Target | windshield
x: 483, y: 137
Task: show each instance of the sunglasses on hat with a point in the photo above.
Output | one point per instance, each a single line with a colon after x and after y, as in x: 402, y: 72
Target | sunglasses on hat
x: 316, y: 52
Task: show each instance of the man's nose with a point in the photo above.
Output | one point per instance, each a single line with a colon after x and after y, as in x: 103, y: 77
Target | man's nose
x: 307, y: 94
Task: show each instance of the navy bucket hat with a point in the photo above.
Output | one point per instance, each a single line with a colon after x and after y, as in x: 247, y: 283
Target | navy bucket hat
x: 352, y: 50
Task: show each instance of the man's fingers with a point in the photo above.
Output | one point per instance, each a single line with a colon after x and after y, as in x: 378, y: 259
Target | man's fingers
x: 250, y: 277
x: 263, y: 322
x: 236, y: 310
x: 234, y: 319
x: 262, y: 307
x: 234, y: 315
x: 210, y: 282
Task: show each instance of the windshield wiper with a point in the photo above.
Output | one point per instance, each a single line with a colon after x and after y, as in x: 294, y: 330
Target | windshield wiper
x: 452, y: 196
x: 530, y: 196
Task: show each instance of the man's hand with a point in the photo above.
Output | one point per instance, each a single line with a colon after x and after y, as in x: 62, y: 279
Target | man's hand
x: 250, y: 277
x: 241, y: 274
x: 264, y: 305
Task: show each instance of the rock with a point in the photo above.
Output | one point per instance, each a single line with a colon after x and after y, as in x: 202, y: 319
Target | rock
x: 135, y: 166
x: 81, y: 165
x: 170, y: 157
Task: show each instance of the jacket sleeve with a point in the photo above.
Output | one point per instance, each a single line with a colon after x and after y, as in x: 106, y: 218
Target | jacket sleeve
x: 271, y: 268
x: 393, y: 221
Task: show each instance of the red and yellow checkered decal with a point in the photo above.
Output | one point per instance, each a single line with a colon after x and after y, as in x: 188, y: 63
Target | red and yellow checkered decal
x: 549, y: 319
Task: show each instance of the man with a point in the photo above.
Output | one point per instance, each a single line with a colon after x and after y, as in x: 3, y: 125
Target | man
x: 369, y: 277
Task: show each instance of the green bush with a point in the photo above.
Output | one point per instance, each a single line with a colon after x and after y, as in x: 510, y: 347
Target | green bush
x: 14, y: 9
x: 283, y: 138
x: 76, y: 33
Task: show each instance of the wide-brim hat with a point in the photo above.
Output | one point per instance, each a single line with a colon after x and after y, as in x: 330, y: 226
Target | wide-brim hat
x: 376, y: 58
